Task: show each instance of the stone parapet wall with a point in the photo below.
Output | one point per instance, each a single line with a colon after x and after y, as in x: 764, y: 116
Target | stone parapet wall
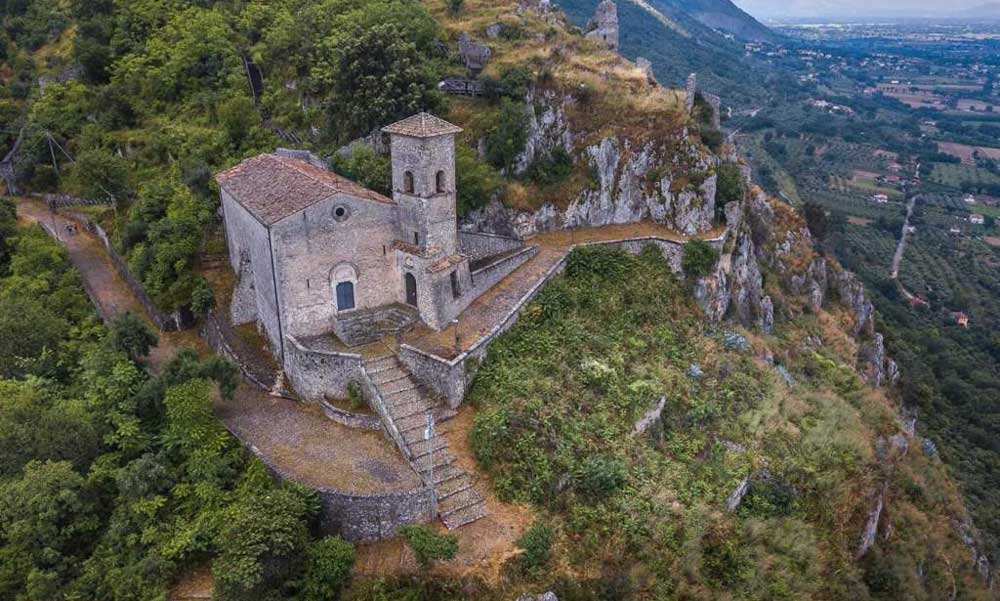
x: 451, y: 378
x: 361, y: 517
x: 477, y: 245
x: 350, y: 419
x: 223, y: 339
x: 317, y: 374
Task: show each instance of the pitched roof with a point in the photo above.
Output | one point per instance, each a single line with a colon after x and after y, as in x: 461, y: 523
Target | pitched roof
x: 272, y: 187
x: 422, y: 125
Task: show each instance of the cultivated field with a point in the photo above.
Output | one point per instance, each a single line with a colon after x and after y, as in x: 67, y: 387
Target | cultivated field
x: 965, y: 152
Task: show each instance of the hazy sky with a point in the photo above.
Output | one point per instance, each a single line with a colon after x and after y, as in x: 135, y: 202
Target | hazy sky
x: 848, y: 8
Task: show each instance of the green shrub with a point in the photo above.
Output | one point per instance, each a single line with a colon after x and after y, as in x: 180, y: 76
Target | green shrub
x: 551, y: 168
x: 596, y: 262
x: 428, y: 546
x: 328, y: 569
x: 600, y: 476
x: 699, y: 258
x: 202, y: 298
x: 537, y: 544
x: 131, y: 335
x: 507, y: 139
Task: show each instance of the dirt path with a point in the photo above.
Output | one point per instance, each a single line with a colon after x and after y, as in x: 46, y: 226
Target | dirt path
x: 105, y: 287
x: 897, y: 258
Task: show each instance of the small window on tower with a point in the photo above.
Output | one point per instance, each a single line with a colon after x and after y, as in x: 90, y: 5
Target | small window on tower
x: 441, y: 184
x: 416, y: 238
x: 408, y: 182
x: 456, y: 290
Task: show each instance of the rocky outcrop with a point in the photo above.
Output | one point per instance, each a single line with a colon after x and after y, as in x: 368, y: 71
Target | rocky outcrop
x: 631, y: 181
x: 876, y: 368
x: 548, y: 128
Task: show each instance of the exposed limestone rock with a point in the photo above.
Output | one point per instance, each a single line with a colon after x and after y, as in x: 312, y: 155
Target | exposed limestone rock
x: 852, y: 294
x: 736, y: 497
x: 549, y: 596
x: 646, y: 67
x: 871, y: 525
x: 548, y: 128
x: 651, y: 417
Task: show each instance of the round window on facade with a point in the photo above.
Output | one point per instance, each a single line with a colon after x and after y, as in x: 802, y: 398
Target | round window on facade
x: 341, y: 213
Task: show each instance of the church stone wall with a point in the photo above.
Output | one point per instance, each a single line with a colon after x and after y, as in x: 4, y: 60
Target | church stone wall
x: 317, y: 375
x: 477, y: 245
x: 249, y: 241
x: 310, y: 243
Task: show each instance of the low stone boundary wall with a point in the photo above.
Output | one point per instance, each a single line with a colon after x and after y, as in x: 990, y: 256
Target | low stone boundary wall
x: 317, y: 374
x: 167, y: 322
x: 488, y: 275
x: 61, y: 201
x: 451, y: 378
x: 350, y: 419
x: 359, y: 517
x: 477, y: 245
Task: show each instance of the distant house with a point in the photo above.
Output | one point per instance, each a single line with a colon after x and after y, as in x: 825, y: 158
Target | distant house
x: 970, y: 199
x: 911, y: 229
x: 977, y: 219
x: 895, y: 167
x: 961, y: 319
x: 893, y: 179
x: 955, y: 230
x: 881, y: 198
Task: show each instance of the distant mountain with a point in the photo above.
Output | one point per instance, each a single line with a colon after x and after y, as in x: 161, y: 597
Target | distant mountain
x: 726, y: 16
x: 683, y: 36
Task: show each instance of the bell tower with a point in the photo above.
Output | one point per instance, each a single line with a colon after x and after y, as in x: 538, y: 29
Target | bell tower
x: 423, y: 181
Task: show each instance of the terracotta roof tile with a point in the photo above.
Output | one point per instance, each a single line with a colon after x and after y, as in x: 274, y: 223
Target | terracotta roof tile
x: 422, y: 125
x: 272, y: 187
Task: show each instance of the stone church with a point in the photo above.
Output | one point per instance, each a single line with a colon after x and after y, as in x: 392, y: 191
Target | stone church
x: 318, y: 254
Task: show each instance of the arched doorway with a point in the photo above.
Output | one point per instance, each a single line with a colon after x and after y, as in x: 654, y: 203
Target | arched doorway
x: 411, y: 289
x: 343, y: 279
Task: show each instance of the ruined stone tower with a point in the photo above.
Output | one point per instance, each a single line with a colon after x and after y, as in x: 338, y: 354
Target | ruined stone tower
x: 603, y: 25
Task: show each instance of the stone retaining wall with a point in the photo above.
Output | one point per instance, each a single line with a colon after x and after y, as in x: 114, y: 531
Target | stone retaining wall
x: 451, y: 378
x: 490, y: 274
x: 365, y: 516
x: 317, y: 374
x: 221, y: 337
x: 477, y: 245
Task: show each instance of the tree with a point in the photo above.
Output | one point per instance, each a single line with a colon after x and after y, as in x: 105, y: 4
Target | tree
x: 428, y: 546
x: 507, y: 139
x: 816, y: 220
x: 379, y: 76
x: 260, y: 545
x: 477, y: 182
x: 238, y: 116
x: 101, y: 174
x: 8, y: 228
x: 129, y: 334
x: 328, y: 569
x: 48, y: 519
x: 699, y: 258
x: 365, y: 166
x: 202, y: 298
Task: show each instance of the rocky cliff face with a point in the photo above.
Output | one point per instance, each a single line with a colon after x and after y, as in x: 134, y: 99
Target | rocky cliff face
x: 631, y: 180
x: 763, y: 237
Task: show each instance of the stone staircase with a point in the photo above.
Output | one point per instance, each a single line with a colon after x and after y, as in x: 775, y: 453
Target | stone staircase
x: 370, y: 325
x: 410, y: 408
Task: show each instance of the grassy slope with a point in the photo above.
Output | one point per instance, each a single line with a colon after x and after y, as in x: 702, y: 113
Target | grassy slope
x: 559, y: 395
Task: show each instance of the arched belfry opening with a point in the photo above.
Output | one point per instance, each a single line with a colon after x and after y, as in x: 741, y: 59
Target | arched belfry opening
x: 441, y: 182
x: 408, y: 182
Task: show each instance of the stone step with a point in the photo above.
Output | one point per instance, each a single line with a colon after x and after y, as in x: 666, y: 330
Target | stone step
x: 388, y: 376
x: 452, y: 487
x: 465, y: 515
x: 396, y: 387
x: 376, y: 363
x: 458, y: 501
x: 414, y: 435
x: 447, y: 473
x: 434, y: 445
x: 405, y: 410
x: 434, y: 462
x: 411, y: 424
x: 406, y: 396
